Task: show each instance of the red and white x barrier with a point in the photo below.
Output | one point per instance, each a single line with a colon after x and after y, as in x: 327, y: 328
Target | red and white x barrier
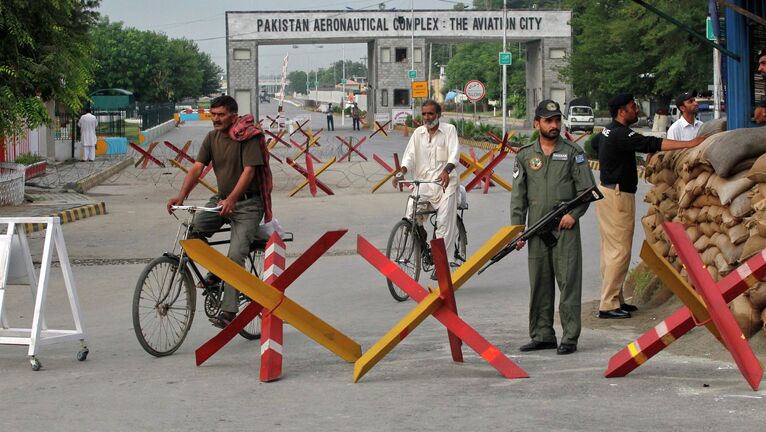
x: 715, y: 297
x: 146, y: 155
x: 438, y: 303
x: 281, y: 282
x: 387, y: 167
x: 352, y: 148
x: 271, y: 325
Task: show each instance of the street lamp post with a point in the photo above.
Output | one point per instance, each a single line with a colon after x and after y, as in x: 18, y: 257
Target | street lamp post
x: 505, y: 69
x: 343, y: 87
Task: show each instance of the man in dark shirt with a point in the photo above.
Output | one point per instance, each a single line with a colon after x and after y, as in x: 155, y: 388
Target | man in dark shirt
x: 238, y: 195
x: 616, y: 213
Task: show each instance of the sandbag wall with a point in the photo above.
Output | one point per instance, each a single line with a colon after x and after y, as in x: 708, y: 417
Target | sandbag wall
x: 717, y: 190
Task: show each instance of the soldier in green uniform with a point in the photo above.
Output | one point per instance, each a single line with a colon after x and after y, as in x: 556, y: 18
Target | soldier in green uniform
x: 546, y: 173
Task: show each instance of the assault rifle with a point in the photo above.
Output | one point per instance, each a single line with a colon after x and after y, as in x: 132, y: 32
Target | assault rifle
x: 544, y: 227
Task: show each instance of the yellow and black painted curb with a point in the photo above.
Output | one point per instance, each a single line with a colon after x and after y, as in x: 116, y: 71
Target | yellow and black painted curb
x: 71, y: 215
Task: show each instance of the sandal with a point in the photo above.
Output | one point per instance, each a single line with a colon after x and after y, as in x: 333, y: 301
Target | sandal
x: 223, y: 319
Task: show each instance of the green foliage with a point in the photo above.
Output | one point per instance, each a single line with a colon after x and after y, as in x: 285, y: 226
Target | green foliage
x: 649, y: 57
x: 468, y: 129
x: 297, y: 82
x: 479, y: 61
x: 45, y: 55
x: 28, y: 158
x: 588, y: 146
x: 151, y: 65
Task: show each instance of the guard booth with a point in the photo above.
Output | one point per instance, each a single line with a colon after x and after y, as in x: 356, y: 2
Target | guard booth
x: 112, y: 106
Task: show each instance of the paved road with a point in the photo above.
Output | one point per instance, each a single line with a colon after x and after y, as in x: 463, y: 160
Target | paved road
x: 416, y: 387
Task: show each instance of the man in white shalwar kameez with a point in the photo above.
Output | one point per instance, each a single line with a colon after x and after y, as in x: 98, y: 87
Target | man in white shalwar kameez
x: 432, y: 154
x: 88, y: 123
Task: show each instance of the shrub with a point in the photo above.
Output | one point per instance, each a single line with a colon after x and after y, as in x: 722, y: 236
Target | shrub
x: 28, y: 158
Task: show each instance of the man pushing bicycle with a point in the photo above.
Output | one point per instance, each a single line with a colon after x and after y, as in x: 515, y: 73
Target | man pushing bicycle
x: 240, y: 162
x: 432, y: 154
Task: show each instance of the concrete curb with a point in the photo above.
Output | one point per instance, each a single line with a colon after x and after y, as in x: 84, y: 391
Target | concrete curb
x: 98, y: 178
x: 71, y: 215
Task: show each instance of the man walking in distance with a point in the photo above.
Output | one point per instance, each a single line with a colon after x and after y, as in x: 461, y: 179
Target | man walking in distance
x: 88, y: 123
x: 617, y: 211
x: 548, y: 172
x: 355, y: 117
x: 330, y: 120
x: 432, y: 154
x: 236, y: 165
x: 687, y: 125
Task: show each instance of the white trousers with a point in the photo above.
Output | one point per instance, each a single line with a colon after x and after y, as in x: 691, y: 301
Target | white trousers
x: 445, y: 203
x: 89, y: 153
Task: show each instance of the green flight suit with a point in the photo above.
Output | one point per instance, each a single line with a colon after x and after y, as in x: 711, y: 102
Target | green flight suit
x: 540, y: 182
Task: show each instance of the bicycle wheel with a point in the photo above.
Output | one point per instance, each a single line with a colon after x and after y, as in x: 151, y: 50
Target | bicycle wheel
x: 163, y: 306
x: 252, y: 331
x: 461, y: 246
x: 404, y: 250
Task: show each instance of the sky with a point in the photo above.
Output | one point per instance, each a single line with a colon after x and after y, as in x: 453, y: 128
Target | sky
x: 203, y: 21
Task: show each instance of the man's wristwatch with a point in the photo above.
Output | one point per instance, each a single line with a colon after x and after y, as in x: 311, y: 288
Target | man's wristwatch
x: 399, y: 175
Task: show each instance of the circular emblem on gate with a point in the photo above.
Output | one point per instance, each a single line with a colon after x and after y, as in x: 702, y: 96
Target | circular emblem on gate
x: 535, y: 163
x: 552, y: 106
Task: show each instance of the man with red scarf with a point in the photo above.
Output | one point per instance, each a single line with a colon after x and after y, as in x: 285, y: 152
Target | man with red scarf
x: 240, y: 162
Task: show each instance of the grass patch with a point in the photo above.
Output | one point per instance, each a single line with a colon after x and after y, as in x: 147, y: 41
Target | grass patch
x: 28, y: 158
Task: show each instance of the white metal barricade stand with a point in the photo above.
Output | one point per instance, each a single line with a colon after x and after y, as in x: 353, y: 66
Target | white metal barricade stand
x: 16, y: 268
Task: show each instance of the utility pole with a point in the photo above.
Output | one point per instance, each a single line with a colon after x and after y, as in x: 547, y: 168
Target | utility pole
x: 412, y: 54
x: 505, y: 69
x: 343, y: 86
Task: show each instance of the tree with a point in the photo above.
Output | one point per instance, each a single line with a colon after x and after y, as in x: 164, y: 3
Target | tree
x: 479, y: 61
x: 650, y: 57
x: 297, y: 81
x: 45, y: 55
x: 152, y: 66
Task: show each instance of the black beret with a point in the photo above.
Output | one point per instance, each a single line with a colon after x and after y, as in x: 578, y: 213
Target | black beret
x: 547, y: 109
x: 621, y: 99
x: 761, y: 53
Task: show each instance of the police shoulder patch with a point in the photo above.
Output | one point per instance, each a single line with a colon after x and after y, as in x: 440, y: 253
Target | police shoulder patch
x: 516, y: 168
x: 580, y: 158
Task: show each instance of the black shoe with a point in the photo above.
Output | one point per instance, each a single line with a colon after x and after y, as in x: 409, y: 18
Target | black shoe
x: 614, y: 314
x: 628, y: 307
x: 566, y: 348
x: 536, y: 345
x: 209, y: 281
x: 433, y: 276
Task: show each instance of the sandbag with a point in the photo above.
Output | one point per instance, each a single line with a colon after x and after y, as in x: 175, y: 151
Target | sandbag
x: 729, y: 251
x: 762, y: 189
x: 707, y: 229
x: 700, y: 182
x: 727, y: 219
x: 694, y: 233
x: 713, y: 272
x: 741, y: 205
x: 757, y: 172
x: 714, y: 215
x: 763, y: 319
x: 748, y: 318
x: 691, y: 215
x: 721, y: 264
x: 712, y: 127
x: 708, y: 256
x: 738, y: 234
x: 702, y: 243
x: 702, y: 214
x: 753, y: 245
x: 728, y: 189
x: 706, y: 200
x: 757, y: 295
x: 665, y: 176
x: 668, y: 208
x: 729, y: 148
x: 758, y: 203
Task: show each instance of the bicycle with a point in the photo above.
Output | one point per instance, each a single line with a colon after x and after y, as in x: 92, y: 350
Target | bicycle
x: 408, y: 244
x: 164, y: 301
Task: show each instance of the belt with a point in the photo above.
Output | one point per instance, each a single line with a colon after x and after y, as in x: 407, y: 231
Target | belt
x: 245, y: 196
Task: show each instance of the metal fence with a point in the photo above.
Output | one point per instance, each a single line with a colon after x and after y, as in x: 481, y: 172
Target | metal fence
x: 156, y: 114
x: 114, y: 123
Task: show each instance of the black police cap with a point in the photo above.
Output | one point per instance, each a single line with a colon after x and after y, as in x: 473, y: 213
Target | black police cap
x: 547, y: 108
x: 683, y: 97
x: 621, y: 99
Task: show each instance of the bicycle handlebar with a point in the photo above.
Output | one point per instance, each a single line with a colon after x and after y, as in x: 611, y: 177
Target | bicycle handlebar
x: 418, y: 182
x: 192, y: 208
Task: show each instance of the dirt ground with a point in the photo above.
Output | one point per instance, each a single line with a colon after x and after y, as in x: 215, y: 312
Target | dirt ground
x: 698, y: 343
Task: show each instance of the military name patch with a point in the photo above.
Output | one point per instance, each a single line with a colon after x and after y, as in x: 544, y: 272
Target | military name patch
x: 560, y: 156
x: 580, y: 158
x: 535, y: 163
